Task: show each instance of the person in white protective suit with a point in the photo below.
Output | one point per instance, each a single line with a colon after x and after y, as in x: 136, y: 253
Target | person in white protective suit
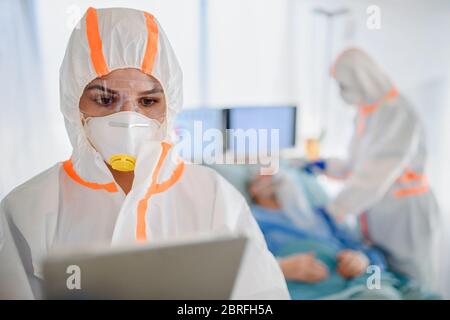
x: 121, y: 87
x: 384, y: 181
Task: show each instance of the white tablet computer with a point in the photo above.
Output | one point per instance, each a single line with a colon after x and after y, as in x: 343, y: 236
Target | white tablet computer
x: 198, y: 269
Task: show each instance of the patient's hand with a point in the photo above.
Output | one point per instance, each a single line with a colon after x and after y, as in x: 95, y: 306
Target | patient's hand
x: 303, y: 267
x: 351, y: 263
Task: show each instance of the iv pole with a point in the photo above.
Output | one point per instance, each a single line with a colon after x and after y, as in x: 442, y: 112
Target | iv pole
x: 329, y: 15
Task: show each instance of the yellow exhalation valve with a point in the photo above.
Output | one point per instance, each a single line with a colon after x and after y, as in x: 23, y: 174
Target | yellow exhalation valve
x: 122, y: 162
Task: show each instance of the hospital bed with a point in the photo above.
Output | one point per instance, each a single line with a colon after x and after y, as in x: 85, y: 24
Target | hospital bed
x: 239, y: 174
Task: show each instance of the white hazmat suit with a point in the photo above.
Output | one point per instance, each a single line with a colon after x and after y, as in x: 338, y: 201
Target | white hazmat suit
x: 384, y: 172
x: 77, y: 203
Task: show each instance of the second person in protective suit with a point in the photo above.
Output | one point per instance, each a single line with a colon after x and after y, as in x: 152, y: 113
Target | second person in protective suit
x: 384, y: 180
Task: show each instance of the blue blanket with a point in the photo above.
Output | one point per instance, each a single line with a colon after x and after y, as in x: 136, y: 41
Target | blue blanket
x: 284, y: 238
x: 334, y: 284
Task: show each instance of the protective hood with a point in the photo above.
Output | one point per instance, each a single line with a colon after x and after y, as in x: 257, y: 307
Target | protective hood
x: 362, y: 79
x: 106, y: 40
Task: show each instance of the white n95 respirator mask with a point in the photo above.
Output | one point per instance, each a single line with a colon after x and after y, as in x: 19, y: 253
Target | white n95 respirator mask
x: 119, y: 136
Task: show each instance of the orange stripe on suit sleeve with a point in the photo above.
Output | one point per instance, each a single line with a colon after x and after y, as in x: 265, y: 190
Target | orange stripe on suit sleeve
x: 95, y: 43
x: 152, y: 44
x: 411, y: 191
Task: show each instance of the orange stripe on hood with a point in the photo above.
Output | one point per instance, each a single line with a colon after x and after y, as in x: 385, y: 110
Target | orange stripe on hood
x: 95, y: 43
x: 152, y: 44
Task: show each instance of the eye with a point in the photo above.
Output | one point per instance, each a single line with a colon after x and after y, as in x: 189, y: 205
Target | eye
x: 147, y: 102
x: 105, y: 100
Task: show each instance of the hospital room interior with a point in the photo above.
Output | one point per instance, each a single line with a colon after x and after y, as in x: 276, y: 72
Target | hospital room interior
x: 343, y: 108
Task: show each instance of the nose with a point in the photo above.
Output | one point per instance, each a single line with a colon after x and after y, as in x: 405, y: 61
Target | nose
x: 128, y: 105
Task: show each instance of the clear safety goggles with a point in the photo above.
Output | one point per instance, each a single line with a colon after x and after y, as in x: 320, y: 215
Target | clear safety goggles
x: 103, y: 99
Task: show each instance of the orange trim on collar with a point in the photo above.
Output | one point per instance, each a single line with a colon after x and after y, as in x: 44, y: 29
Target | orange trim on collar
x: 161, y: 187
x: 141, y: 233
x: 365, y: 110
x: 369, y: 108
x: 70, y: 171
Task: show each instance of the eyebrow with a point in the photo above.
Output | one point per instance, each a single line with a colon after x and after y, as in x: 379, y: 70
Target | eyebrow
x: 152, y: 91
x: 104, y: 89
x: 101, y: 88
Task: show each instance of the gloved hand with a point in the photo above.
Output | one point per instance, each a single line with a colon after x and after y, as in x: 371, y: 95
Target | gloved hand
x: 313, y: 167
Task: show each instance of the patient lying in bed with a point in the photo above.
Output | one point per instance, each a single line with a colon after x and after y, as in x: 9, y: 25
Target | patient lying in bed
x: 319, y: 259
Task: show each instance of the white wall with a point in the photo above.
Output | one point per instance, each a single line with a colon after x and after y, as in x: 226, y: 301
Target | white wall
x: 249, y: 53
x: 25, y: 136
